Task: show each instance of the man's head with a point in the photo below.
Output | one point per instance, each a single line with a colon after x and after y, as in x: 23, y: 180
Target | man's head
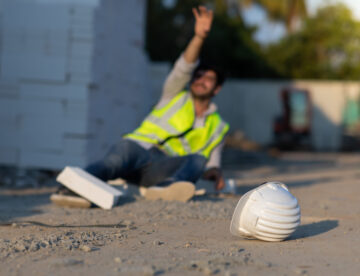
x: 206, y: 82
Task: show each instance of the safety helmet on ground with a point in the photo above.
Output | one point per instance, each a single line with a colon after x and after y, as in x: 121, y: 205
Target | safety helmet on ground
x: 269, y: 212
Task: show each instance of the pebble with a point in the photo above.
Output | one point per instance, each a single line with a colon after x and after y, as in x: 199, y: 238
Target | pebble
x: 157, y: 242
x: 118, y: 260
x: 86, y: 248
x: 20, y: 247
x: 34, y: 247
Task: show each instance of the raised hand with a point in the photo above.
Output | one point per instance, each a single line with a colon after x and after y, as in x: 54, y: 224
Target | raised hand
x: 203, y: 20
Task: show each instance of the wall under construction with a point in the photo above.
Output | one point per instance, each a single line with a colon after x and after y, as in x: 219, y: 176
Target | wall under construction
x: 72, y: 81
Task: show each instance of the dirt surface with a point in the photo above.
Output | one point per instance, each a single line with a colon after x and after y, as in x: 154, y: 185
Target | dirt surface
x: 140, y: 237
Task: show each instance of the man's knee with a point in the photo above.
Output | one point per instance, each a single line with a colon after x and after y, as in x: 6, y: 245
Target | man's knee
x: 197, y: 161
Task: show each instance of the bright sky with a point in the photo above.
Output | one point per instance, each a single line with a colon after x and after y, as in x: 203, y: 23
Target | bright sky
x: 353, y: 4
x: 269, y: 31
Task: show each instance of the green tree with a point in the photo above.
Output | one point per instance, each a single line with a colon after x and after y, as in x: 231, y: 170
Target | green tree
x: 230, y: 44
x: 327, y: 47
x: 287, y: 11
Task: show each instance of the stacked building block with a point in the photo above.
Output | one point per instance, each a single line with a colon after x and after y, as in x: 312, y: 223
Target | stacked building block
x: 73, y: 79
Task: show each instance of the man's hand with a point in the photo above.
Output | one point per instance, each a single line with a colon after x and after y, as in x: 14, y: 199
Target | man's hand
x: 203, y: 18
x: 215, y: 174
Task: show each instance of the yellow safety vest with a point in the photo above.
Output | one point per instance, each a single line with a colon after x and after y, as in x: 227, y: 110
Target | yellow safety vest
x: 171, y: 128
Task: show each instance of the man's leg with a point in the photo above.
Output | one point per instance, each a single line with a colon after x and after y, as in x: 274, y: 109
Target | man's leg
x: 122, y: 161
x: 165, y: 170
x: 173, y: 177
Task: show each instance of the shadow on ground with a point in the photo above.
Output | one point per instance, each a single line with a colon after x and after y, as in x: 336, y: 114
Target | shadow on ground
x: 314, y: 229
x: 15, y: 203
x: 236, y: 159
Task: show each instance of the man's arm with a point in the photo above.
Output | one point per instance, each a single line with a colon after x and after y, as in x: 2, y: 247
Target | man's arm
x: 203, y: 21
x: 213, y: 171
x: 185, y: 65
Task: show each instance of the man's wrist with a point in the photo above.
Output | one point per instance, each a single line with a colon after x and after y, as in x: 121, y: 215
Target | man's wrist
x: 202, y: 38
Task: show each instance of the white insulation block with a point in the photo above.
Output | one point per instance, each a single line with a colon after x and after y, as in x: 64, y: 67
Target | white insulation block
x: 89, y: 187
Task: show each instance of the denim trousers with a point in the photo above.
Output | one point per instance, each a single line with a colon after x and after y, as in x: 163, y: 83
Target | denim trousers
x: 152, y: 167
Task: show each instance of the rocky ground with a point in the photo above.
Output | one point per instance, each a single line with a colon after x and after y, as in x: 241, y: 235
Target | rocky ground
x: 140, y: 237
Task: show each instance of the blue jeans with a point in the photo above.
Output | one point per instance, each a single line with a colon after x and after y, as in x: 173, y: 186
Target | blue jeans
x: 130, y: 161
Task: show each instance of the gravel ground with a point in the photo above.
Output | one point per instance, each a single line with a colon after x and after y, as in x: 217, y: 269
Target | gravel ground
x: 141, y: 237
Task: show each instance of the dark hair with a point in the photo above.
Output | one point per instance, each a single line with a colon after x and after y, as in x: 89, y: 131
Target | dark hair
x: 220, y: 75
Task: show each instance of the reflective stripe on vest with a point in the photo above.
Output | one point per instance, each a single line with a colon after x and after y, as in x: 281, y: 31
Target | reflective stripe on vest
x: 170, y: 127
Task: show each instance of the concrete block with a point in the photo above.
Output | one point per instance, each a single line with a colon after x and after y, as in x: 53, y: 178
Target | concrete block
x: 89, y: 187
x: 76, y: 145
x: 33, y: 67
x: 78, y: 110
x: 50, y: 109
x: 80, y: 66
x: 81, y: 49
x: 45, y: 91
x: 9, y: 89
x: 9, y: 135
x: 75, y: 126
x: 51, y: 16
x: 9, y: 107
x: 49, y: 159
x: 36, y: 42
x: 8, y: 155
x: 78, y: 78
x: 41, y: 132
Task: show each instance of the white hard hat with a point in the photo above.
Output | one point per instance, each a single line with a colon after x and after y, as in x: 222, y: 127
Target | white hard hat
x: 269, y: 212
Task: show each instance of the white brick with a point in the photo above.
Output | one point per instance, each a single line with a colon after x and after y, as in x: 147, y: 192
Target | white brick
x: 49, y: 160
x: 50, y: 109
x: 9, y: 135
x: 53, y: 17
x: 9, y: 156
x: 9, y: 107
x: 75, y: 126
x: 78, y: 78
x: 8, y: 90
x: 42, y: 42
x: 71, y: 92
x: 33, y: 67
x: 89, y: 187
x: 80, y: 66
x: 81, y: 50
x: 41, y: 132
x: 75, y: 145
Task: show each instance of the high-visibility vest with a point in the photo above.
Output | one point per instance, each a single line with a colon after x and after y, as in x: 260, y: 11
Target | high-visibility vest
x: 172, y: 128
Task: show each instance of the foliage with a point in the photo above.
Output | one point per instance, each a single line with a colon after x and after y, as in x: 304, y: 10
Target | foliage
x: 230, y: 44
x: 286, y: 11
x: 327, y: 47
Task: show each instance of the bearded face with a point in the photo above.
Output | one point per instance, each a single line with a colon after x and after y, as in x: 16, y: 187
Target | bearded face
x: 203, y: 85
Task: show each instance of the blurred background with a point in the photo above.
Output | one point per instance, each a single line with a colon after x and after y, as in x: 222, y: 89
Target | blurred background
x: 76, y: 75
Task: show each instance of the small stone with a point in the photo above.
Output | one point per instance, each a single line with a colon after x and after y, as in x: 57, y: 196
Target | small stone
x: 157, y: 242
x: 20, y: 247
x: 86, y: 248
x: 207, y: 271
x: 118, y: 260
x: 34, y: 247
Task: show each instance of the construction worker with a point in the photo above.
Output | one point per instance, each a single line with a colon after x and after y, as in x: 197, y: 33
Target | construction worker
x: 182, y: 138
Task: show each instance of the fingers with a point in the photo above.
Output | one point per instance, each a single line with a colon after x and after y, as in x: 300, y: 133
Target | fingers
x: 202, y: 13
x: 196, y: 14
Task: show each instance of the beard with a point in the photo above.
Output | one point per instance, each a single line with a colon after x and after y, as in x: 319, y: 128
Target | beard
x: 203, y: 97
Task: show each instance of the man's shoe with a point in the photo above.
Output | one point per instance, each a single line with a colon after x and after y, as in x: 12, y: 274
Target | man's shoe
x: 177, y: 191
x: 66, y: 198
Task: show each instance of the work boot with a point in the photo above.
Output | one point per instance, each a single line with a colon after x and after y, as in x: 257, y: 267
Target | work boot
x: 177, y: 191
x: 67, y: 198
